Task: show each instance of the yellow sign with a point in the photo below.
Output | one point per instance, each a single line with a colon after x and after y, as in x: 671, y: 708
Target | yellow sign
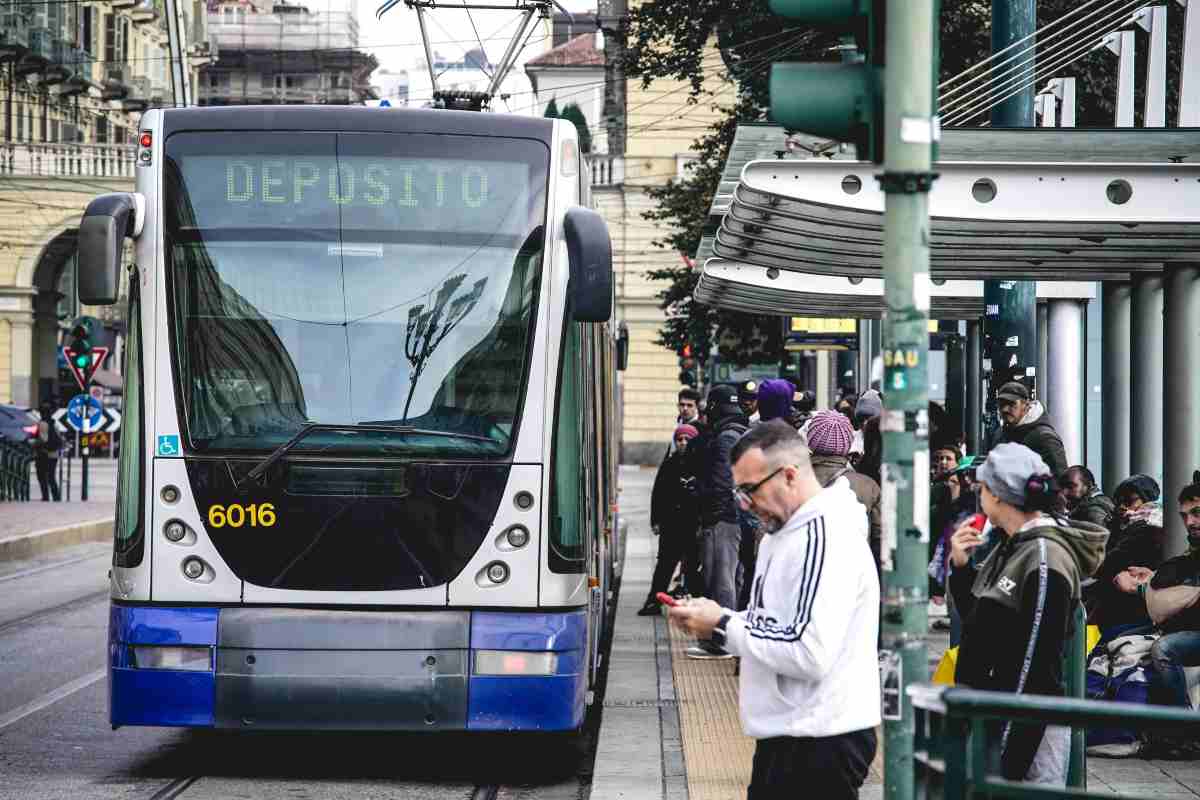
x: 822, y: 325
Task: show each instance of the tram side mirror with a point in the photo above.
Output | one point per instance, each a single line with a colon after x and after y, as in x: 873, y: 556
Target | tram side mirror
x: 106, y: 222
x: 589, y: 253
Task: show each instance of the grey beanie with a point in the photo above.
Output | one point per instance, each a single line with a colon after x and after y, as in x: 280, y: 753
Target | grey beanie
x: 1008, y: 469
x: 869, y: 405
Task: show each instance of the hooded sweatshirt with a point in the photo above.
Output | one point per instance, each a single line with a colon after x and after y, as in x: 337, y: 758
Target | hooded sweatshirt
x: 1017, y: 611
x: 1036, y: 432
x: 810, y: 665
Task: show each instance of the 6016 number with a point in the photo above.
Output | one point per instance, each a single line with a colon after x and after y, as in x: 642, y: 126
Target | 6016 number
x: 235, y: 515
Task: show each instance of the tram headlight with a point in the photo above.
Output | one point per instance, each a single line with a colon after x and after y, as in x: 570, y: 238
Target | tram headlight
x: 515, y: 662
x: 517, y: 536
x: 175, y: 531
x: 193, y: 568
x: 170, y: 494
x: 188, y: 658
x: 497, y: 572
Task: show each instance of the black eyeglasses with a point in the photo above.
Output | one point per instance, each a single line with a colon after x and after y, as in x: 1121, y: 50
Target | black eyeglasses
x: 744, y: 494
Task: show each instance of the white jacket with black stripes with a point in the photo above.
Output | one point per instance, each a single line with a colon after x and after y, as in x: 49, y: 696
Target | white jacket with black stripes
x: 808, y: 640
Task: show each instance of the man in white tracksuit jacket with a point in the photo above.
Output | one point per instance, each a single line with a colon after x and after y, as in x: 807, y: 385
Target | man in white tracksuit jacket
x: 809, y: 688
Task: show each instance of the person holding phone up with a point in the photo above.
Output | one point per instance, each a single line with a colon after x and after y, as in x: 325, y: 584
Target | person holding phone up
x: 1017, y: 607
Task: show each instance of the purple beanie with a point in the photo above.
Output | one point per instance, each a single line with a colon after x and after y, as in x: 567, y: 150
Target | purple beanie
x: 774, y: 398
x: 830, y: 434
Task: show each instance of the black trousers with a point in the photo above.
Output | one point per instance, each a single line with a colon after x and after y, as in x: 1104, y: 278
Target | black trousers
x: 671, y: 552
x: 47, y: 480
x: 831, y: 768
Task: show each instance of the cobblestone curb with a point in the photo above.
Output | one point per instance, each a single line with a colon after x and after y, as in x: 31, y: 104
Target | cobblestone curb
x: 31, y: 545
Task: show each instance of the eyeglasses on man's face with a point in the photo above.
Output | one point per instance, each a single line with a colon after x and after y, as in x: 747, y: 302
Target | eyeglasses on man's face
x: 744, y: 493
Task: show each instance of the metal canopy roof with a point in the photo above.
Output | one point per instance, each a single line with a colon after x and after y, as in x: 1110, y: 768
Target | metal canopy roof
x: 787, y: 231
x: 1022, y: 221
x: 757, y: 290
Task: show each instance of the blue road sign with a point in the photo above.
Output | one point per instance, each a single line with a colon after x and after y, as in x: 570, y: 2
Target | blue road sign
x: 81, y: 407
x: 384, y: 104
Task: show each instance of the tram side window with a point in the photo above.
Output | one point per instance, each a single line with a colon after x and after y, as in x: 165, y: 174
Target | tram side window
x: 566, y: 506
x: 130, y: 543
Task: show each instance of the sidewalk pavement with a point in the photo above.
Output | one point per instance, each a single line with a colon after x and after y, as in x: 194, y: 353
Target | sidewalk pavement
x: 34, y: 528
x: 670, y: 730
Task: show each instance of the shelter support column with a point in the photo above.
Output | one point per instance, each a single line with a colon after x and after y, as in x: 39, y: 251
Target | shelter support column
x: 1115, y: 301
x: 973, y: 416
x: 1181, y: 394
x: 1065, y: 373
x: 1146, y: 377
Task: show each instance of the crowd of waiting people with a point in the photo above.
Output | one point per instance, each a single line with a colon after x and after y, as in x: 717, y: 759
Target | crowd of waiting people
x: 1019, y: 540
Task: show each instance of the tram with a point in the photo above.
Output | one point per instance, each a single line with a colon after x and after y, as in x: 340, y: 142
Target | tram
x: 367, y: 476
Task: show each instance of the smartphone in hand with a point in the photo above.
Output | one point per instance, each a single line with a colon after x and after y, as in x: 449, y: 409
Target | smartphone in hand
x: 665, y: 599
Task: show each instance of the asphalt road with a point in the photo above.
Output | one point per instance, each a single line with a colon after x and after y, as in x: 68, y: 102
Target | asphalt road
x: 55, y: 740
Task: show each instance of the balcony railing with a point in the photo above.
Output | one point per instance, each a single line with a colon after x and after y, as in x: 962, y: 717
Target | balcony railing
x: 42, y: 43
x: 18, y: 159
x: 607, y: 170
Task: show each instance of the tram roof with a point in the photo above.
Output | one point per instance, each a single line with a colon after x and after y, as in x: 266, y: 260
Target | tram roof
x: 356, y: 119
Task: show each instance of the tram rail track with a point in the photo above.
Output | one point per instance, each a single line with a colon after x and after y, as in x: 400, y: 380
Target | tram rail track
x: 175, y: 788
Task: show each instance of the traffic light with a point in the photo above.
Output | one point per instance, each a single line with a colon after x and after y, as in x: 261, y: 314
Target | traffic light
x: 687, y: 367
x: 841, y: 101
x: 83, y: 355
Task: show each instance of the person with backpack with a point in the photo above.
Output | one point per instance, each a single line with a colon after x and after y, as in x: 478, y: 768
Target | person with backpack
x: 830, y: 435
x: 1018, y: 606
x: 46, y: 446
x: 720, y: 530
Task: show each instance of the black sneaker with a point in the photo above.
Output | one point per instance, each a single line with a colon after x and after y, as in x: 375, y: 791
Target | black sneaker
x: 649, y: 610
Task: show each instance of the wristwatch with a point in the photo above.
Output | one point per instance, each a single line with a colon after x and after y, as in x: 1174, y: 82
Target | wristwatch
x: 718, y: 634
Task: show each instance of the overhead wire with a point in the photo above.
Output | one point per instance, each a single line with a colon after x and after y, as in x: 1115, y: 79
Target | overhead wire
x: 1068, y: 53
x: 1075, y: 46
x: 1039, y: 37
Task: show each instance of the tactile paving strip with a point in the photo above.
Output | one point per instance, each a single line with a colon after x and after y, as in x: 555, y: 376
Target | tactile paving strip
x: 716, y: 754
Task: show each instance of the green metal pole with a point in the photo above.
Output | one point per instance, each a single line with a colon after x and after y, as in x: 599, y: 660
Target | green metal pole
x: 1075, y: 673
x: 909, y: 132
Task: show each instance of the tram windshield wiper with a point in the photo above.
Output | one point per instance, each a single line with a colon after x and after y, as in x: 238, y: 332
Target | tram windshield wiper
x: 261, y: 468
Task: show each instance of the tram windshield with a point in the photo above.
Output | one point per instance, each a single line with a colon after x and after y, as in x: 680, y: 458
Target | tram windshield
x: 384, y: 280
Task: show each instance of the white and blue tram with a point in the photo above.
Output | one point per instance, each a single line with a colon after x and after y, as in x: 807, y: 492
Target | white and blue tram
x: 367, y: 466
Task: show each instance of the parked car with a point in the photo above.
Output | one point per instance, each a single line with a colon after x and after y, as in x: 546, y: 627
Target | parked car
x: 17, y: 424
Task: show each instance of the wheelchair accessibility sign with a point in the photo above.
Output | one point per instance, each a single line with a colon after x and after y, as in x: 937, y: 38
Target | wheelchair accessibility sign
x: 168, y: 445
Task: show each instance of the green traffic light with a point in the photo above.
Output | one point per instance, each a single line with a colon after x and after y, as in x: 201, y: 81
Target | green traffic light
x: 83, y: 360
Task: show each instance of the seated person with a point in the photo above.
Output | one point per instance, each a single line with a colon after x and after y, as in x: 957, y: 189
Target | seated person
x: 1136, y: 540
x: 1171, y: 595
x: 1082, y: 498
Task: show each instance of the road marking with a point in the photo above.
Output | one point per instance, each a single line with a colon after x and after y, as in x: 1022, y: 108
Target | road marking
x: 46, y: 567
x: 50, y: 698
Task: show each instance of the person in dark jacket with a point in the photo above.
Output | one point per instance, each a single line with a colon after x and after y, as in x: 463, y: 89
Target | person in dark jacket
x: 720, y: 531
x: 1136, y: 539
x: 1171, y: 594
x: 1026, y: 422
x: 829, y: 436
x: 674, y: 515
x: 1081, y: 497
x: 1018, y: 606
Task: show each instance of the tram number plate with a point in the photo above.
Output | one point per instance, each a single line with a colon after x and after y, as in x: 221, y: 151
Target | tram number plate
x: 236, y: 515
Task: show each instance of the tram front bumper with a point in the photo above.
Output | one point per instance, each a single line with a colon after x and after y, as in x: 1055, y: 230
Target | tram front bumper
x: 281, y: 668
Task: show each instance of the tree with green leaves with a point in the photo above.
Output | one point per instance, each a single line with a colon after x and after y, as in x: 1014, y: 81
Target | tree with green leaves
x: 574, y: 114
x: 668, y: 39
x: 551, y: 111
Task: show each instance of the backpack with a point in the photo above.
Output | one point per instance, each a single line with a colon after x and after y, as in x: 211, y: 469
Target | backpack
x: 1119, y: 670
x: 48, y: 438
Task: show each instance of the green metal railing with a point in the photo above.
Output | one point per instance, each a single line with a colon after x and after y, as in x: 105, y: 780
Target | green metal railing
x: 951, y: 751
x: 15, y: 458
